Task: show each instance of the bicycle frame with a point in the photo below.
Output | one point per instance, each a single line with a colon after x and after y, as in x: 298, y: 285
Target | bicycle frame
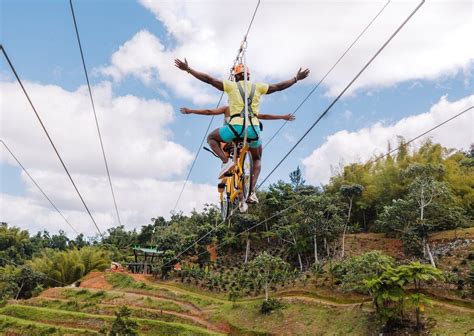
x: 234, y: 183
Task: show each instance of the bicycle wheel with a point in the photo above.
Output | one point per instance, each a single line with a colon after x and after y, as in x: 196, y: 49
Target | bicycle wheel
x: 247, y: 175
x: 225, y: 205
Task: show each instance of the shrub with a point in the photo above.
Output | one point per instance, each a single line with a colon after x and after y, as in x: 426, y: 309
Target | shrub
x: 122, y: 325
x: 234, y: 295
x: 352, y: 272
x: 317, y: 269
x: 270, y: 305
x: 470, y: 278
x: 390, y: 292
x: 412, y: 243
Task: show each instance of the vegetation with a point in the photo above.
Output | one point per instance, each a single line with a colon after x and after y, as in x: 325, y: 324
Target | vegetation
x: 391, y: 297
x: 298, y: 237
x: 351, y: 273
x: 122, y: 325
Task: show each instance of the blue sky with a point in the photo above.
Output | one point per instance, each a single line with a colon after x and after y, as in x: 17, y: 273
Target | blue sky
x: 40, y: 40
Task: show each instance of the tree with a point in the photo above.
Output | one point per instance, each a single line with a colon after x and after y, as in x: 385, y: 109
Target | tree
x: 93, y: 259
x: 8, y: 284
x: 60, y: 241
x: 324, y: 218
x: 71, y: 265
x: 123, y: 325
x: 349, y: 192
x: 15, y: 244
x: 168, y: 260
x: 243, y: 222
x: 425, y: 190
x: 390, y: 290
x: 266, y: 270
x: 79, y: 242
x: 290, y: 231
x: 120, y: 238
x: 296, y: 178
x: 417, y: 273
x: 146, y: 235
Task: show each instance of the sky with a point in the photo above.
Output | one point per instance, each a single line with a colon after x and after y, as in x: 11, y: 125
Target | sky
x: 423, y: 77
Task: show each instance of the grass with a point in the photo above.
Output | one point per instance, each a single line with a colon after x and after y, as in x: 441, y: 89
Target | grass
x: 467, y: 233
x: 450, y: 322
x: 119, y: 280
x: 298, y: 318
x: 95, y: 322
x: 165, y: 305
x: 19, y: 327
x: 92, y: 310
x: 85, y: 295
x: 295, y: 319
x: 90, y: 296
x: 125, y: 281
x: 105, y: 309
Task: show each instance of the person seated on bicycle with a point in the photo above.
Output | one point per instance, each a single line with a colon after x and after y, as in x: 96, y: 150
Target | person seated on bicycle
x: 235, y: 128
x: 226, y: 112
x: 255, y: 158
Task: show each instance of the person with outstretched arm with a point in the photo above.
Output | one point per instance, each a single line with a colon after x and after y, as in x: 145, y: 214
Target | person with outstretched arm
x: 236, y: 125
x: 256, y: 155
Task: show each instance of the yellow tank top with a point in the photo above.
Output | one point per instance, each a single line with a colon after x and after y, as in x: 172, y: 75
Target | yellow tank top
x: 236, y: 103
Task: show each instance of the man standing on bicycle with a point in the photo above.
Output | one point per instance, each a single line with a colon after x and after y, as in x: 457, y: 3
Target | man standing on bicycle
x: 234, y: 130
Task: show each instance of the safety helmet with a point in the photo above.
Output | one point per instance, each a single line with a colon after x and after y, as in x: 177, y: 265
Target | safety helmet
x: 239, y: 68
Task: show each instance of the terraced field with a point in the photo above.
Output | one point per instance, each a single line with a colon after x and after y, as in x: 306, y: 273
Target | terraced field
x: 166, y: 308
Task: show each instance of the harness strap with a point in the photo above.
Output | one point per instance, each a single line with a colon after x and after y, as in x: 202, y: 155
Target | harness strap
x: 242, y: 113
x: 249, y: 99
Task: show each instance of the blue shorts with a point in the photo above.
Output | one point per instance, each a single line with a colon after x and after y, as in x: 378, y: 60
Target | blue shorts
x: 227, y: 135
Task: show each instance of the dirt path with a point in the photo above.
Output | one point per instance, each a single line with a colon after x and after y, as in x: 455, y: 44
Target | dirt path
x: 298, y: 294
x: 195, y: 313
x: 97, y: 280
x: 55, y: 293
x: 196, y: 319
x: 175, y: 288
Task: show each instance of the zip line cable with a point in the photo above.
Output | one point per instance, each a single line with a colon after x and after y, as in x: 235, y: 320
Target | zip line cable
x: 342, y: 92
x: 49, y: 138
x: 330, y: 106
x: 38, y: 186
x: 240, y: 57
x: 241, y: 50
x: 262, y: 222
x: 95, y: 114
x: 329, y: 71
x: 196, y: 156
x: 369, y: 162
x: 37, y: 272
x: 422, y: 134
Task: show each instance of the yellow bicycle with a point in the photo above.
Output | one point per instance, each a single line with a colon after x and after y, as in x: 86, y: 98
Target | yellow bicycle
x: 235, y: 186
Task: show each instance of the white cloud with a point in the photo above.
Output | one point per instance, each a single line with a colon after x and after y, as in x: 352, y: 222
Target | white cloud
x: 348, y: 147
x: 141, y: 156
x: 287, y: 35
x: 134, y: 131
x: 138, y: 201
x: 146, y: 58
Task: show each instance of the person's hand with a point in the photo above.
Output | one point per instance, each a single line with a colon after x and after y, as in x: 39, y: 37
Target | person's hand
x: 289, y: 117
x: 185, y: 110
x: 182, y: 65
x: 302, y: 74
